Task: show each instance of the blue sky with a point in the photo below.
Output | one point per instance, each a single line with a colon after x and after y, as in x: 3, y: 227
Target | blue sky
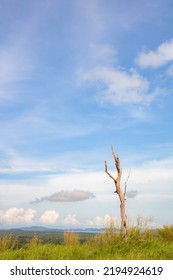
x: 75, y: 78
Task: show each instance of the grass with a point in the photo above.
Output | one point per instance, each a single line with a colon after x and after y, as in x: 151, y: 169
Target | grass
x: 142, y: 244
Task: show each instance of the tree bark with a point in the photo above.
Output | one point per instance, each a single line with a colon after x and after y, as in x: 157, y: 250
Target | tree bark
x: 121, y: 195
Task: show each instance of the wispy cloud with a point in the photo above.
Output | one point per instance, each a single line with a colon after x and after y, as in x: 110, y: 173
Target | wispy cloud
x: 17, y: 65
x: 67, y: 196
x: 15, y: 163
x: 161, y: 56
x: 14, y: 64
x: 119, y: 86
x: 102, y: 54
x: 38, y: 126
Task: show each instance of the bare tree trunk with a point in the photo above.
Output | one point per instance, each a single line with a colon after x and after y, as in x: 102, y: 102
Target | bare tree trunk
x: 118, y: 190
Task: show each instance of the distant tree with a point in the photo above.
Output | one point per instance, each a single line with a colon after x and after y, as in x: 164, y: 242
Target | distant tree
x: 118, y: 190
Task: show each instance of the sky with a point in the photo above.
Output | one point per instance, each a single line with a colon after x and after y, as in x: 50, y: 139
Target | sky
x: 75, y: 78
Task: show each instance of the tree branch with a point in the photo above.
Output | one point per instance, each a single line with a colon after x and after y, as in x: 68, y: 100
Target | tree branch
x: 106, y: 166
x: 117, y: 161
x: 106, y: 170
x: 125, y: 189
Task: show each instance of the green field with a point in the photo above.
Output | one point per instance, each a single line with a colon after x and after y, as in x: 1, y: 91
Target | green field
x: 140, y: 244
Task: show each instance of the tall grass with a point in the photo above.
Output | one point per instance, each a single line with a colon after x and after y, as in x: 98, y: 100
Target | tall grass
x: 141, y: 243
x: 7, y: 242
x: 71, y: 238
x: 166, y: 233
x: 34, y: 242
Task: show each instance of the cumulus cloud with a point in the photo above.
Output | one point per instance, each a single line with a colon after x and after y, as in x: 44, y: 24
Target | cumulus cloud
x: 119, y: 86
x: 105, y: 221
x: 71, y: 220
x: 17, y: 216
x: 67, y: 196
x: 162, y: 55
x: 49, y: 217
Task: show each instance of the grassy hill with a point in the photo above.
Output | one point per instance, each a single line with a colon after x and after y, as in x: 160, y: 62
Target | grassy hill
x: 41, y: 245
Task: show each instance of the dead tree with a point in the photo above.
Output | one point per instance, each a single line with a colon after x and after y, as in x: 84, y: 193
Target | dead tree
x: 118, y: 190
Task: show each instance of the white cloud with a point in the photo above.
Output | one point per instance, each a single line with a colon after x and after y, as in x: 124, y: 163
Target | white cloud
x: 71, y: 220
x: 35, y: 126
x: 15, y: 163
x: 139, y: 113
x: 16, y: 66
x: 103, y: 221
x: 18, y: 62
x: 151, y: 179
x: 119, y: 86
x: 49, y: 217
x: 162, y: 55
x: 103, y: 54
x: 17, y: 216
x: 88, y: 180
